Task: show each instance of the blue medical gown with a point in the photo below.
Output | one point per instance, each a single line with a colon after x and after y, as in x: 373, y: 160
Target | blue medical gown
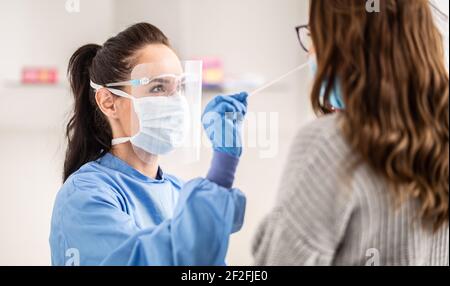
x: 107, y: 213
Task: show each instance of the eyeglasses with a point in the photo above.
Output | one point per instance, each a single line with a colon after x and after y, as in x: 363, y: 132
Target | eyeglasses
x: 304, y: 34
x: 304, y: 37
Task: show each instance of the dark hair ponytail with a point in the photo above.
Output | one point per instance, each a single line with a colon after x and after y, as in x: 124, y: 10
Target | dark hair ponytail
x: 88, y: 132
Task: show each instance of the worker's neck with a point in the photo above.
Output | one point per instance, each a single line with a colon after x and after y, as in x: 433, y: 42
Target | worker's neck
x: 126, y: 153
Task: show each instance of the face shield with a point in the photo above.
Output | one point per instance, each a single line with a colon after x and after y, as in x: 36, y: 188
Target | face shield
x: 165, y: 120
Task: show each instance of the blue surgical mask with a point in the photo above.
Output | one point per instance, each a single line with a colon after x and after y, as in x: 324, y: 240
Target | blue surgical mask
x: 336, y: 93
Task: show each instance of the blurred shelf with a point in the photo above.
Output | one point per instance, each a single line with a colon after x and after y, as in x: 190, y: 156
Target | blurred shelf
x: 13, y: 84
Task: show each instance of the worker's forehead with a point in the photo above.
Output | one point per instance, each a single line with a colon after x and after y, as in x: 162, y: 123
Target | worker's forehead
x: 157, y: 59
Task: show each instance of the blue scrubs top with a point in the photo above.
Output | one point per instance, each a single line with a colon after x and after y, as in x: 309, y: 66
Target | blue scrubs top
x: 108, y: 213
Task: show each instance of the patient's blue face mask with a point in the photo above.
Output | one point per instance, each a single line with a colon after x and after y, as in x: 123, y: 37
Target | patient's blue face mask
x: 336, y: 99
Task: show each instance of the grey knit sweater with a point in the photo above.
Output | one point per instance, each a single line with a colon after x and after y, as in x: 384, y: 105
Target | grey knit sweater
x: 325, y: 217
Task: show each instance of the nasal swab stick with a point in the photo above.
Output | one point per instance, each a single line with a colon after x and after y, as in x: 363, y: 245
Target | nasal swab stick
x: 258, y: 90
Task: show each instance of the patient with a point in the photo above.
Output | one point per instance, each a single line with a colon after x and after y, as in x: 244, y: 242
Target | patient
x: 367, y: 185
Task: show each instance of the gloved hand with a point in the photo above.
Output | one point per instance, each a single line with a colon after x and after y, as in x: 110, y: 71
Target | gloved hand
x: 222, y: 121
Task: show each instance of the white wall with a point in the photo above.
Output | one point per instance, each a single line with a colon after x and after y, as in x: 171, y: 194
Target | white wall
x: 36, y: 33
x: 44, y: 33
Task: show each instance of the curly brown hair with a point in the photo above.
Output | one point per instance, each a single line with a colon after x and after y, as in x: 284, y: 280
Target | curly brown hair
x: 391, y: 68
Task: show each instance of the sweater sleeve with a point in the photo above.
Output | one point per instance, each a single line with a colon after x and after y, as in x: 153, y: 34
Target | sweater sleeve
x: 312, y: 209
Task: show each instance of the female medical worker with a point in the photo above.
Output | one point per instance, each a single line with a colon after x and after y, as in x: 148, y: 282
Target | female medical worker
x: 367, y: 185
x: 116, y: 209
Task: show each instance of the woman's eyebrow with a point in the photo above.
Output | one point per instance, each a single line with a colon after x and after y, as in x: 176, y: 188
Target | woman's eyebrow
x: 161, y: 80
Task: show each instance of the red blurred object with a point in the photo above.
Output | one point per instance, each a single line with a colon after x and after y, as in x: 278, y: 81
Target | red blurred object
x: 39, y: 76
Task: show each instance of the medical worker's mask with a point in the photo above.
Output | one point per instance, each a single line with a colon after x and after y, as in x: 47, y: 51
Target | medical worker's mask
x: 163, y: 123
x: 166, y: 101
x: 335, y: 98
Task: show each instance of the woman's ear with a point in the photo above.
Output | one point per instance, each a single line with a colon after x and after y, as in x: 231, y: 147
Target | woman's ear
x: 105, y: 101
